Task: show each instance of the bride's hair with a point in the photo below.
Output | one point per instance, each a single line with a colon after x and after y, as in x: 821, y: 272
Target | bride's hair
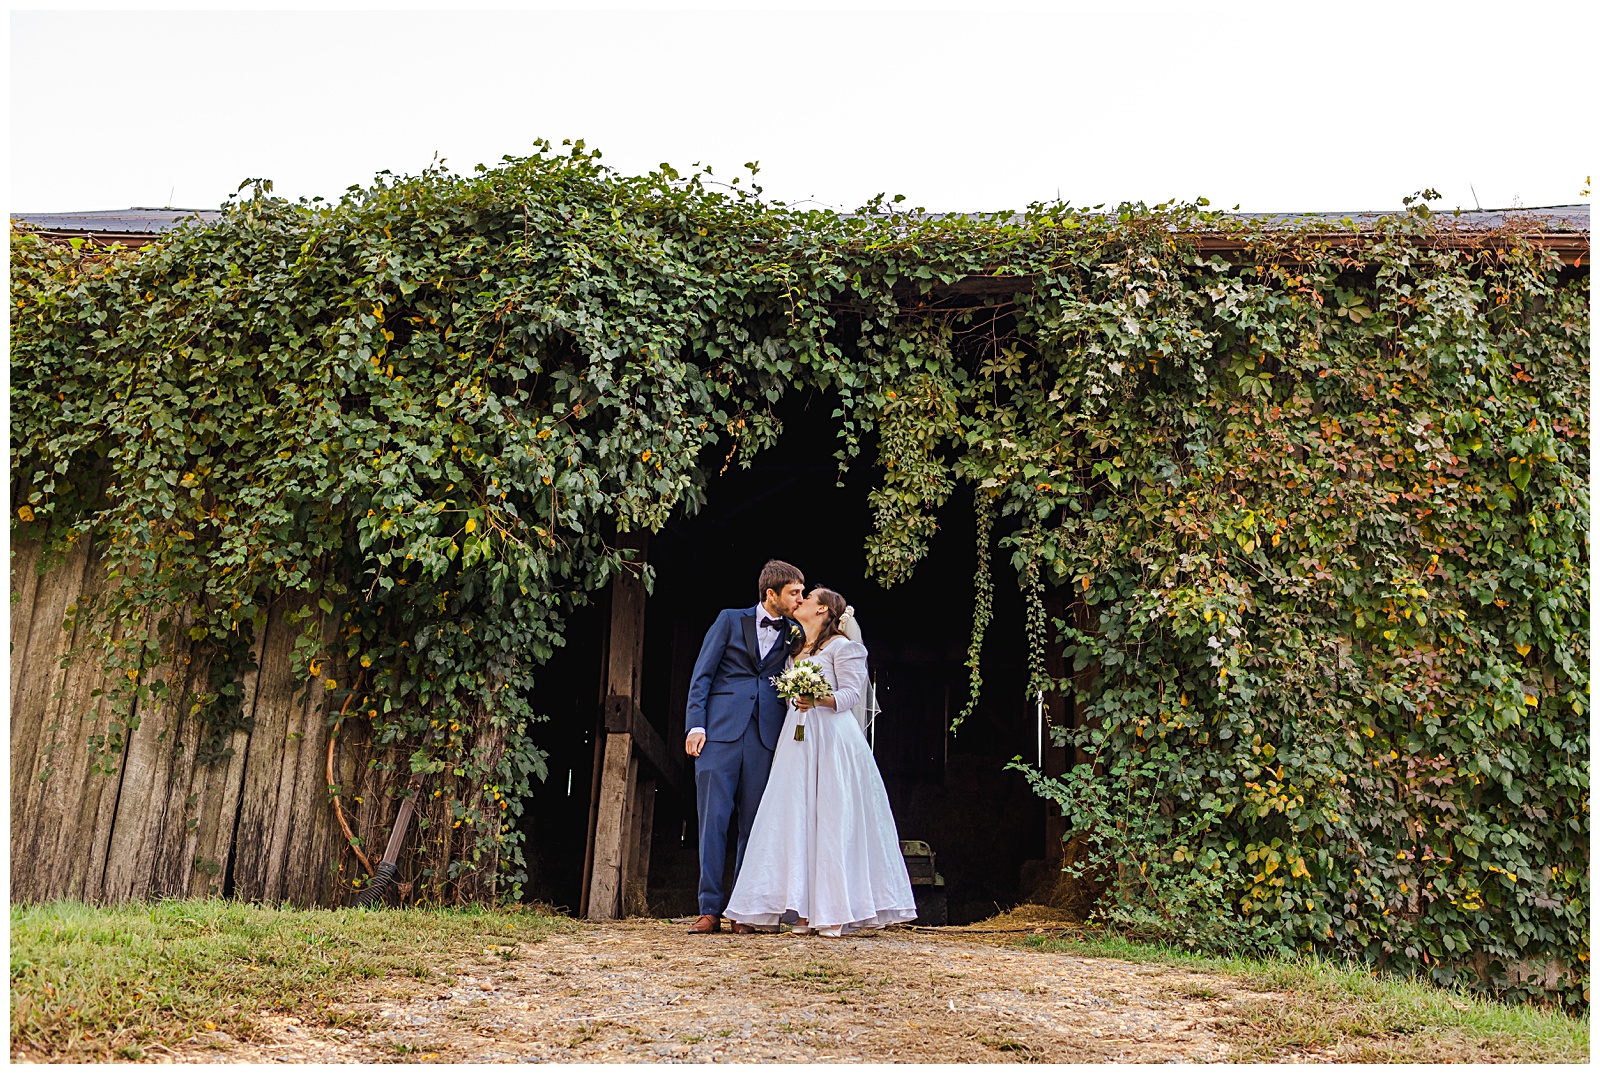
x: 836, y: 609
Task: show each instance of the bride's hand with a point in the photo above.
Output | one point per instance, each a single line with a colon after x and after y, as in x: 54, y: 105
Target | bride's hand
x: 804, y: 702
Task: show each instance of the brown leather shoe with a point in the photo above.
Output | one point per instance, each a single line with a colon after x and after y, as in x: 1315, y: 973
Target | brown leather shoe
x: 706, y: 924
x: 741, y: 929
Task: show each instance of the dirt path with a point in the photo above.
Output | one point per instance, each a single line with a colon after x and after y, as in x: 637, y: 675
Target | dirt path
x: 642, y: 991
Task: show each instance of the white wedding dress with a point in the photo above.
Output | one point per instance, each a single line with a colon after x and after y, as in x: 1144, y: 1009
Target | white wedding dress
x: 824, y: 845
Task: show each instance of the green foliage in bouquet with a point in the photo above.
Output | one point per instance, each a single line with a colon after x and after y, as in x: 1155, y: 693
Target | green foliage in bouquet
x: 1318, y: 509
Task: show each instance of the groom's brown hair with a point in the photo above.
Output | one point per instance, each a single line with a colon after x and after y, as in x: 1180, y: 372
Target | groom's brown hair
x: 777, y: 574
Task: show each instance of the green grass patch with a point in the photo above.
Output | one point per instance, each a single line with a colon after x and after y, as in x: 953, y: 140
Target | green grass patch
x: 1316, y: 1005
x: 92, y: 983
x: 829, y: 976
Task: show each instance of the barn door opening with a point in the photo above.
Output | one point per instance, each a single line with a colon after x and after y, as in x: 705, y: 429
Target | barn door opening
x: 950, y: 791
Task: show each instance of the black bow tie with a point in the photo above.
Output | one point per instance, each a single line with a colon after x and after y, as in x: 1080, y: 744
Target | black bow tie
x: 775, y: 624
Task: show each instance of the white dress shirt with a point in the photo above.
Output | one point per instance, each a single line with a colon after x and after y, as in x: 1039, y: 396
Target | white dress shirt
x: 766, y: 638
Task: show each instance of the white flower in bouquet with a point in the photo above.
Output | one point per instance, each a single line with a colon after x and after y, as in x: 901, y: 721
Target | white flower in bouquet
x: 804, y: 679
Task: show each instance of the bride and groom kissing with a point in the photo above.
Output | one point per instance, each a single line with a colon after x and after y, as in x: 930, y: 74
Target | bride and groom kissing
x: 817, y: 847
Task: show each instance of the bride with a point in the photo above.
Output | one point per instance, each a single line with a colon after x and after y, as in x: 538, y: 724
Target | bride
x: 823, y: 854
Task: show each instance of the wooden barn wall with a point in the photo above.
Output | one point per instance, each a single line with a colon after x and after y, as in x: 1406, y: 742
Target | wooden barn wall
x: 257, y: 824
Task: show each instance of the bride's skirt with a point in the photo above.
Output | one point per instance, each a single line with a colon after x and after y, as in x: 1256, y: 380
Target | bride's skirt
x: 824, y: 845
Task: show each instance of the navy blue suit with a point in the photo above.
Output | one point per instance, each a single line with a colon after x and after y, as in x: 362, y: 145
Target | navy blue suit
x: 731, y: 695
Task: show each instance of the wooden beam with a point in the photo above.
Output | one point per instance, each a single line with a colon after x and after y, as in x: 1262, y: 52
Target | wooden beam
x: 623, y: 717
x: 612, y: 823
x: 625, y: 661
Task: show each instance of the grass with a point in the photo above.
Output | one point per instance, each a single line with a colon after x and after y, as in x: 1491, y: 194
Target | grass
x: 832, y: 976
x: 1007, y: 1044
x: 1316, y: 1005
x: 95, y: 983
x: 122, y: 983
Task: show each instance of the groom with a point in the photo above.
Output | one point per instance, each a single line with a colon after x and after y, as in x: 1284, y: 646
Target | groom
x: 734, y: 716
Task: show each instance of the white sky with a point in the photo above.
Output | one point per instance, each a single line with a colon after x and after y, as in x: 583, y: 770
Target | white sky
x: 1343, y: 107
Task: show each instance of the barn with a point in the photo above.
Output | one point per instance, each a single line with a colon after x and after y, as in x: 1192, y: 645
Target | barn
x: 281, y: 807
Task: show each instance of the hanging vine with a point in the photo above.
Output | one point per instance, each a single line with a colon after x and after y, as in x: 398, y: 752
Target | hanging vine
x: 982, y: 603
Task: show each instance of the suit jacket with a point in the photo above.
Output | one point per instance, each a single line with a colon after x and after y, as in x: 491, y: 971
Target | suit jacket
x: 732, y: 684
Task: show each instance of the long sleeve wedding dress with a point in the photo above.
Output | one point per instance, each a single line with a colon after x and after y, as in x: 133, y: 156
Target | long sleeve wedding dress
x: 824, y: 845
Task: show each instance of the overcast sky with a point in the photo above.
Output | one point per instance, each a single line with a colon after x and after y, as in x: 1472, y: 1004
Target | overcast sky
x: 1345, y: 107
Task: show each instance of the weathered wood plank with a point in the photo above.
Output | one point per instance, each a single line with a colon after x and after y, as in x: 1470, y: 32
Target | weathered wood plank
x: 218, y: 787
x: 24, y: 590
x: 258, y: 855
x: 149, y: 772
x: 34, y: 698
x: 63, y: 831
x: 309, y: 850
x: 35, y: 703
x: 97, y: 818
x: 178, y: 833
x: 611, y: 827
x: 162, y: 823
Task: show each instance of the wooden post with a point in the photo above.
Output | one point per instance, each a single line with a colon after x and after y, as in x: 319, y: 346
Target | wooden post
x: 612, y: 822
x: 626, y: 660
x: 615, y: 810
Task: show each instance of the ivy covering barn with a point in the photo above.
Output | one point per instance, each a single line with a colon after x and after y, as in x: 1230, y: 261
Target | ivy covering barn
x: 1267, y: 622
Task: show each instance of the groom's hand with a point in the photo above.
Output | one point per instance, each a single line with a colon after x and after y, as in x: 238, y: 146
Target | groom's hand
x: 694, y: 744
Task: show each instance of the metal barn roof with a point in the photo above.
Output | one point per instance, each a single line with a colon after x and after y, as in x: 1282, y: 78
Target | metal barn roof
x: 1565, y: 227
x: 130, y: 227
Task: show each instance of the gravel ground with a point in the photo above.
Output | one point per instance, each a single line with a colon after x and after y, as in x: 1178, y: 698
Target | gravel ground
x: 643, y: 991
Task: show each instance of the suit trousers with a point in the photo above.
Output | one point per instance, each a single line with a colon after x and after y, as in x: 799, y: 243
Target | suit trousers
x: 728, y: 776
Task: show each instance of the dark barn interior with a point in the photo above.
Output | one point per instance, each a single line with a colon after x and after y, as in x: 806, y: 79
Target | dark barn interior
x: 951, y: 791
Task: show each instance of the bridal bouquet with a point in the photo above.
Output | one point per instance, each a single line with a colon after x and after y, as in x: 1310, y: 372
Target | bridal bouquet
x: 804, y: 679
